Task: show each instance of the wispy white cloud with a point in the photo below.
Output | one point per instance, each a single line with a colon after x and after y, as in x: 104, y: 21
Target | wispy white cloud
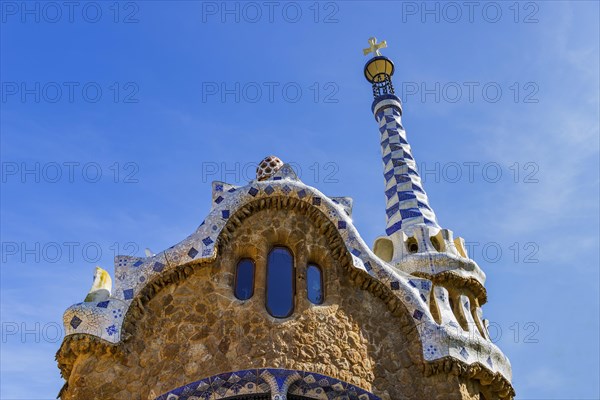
x: 560, y: 135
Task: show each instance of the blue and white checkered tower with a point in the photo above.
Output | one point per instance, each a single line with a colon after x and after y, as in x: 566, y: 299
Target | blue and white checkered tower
x: 407, y: 203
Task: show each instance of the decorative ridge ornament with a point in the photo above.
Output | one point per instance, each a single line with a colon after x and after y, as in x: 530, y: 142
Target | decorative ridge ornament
x: 374, y: 46
x: 268, y: 167
x: 101, y: 286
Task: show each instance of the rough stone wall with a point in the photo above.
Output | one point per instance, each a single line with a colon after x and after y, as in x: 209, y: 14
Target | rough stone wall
x: 197, y: 328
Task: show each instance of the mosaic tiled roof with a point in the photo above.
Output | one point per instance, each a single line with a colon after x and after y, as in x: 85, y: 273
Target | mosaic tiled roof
x: 445, y: 339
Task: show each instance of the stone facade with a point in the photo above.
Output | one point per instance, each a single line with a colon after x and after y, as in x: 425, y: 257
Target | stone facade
x: 194, y: 327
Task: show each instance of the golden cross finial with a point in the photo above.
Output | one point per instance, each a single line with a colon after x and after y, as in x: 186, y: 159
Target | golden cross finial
x: 374, y: 47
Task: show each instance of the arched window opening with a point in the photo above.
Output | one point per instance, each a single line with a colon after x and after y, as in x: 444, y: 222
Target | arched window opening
x: 314, y: 284
x: 280, y: 282
x: 244, y: 279
x: 411, y: 245
x: 435, y: 243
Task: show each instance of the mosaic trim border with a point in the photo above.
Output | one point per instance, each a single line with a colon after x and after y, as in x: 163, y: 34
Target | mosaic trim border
x: 276, y: 382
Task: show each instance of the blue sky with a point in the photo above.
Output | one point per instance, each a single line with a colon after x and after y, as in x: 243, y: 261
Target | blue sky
x: 124, y: 114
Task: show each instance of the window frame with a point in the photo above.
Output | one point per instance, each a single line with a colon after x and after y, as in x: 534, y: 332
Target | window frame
x: 293, y: 308
x: 235, y: 282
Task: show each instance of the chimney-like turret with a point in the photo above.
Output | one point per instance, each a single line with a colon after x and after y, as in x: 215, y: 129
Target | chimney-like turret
x: 407, y: 202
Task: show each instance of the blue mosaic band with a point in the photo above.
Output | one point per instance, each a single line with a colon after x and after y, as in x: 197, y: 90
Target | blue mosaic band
x: 274, y: 383
x: 407, y: 202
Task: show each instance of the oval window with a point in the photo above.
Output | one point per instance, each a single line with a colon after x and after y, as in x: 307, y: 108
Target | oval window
x: 244, y: 279
x: 314, y: 284
x: 280, y: 282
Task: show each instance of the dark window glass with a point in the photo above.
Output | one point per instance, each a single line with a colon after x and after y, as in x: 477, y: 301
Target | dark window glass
x: 314, y: 284
x: 280, y: 282
x: 244, y: 279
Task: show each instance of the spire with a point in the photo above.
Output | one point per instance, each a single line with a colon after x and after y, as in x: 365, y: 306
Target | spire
x: 407, y: 202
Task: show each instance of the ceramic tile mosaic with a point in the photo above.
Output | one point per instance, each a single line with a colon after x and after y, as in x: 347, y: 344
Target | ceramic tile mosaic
x: 132, y: 273
x: 407, y: 202
x: 102, y: 319
x: 345, y: 203
x: 278, y: 383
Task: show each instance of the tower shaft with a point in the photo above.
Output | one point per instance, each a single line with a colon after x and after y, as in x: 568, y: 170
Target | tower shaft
x: 407, y: 202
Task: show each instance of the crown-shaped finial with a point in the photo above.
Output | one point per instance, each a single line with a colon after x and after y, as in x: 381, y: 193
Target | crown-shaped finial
x: 379, y: 69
